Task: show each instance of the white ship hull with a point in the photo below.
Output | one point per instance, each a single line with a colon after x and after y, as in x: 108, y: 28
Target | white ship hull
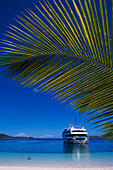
x: 74, y: 140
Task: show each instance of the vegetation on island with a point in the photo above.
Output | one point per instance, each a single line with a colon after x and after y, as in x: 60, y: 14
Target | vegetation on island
x: 4, y: 136
x: 65, y: 48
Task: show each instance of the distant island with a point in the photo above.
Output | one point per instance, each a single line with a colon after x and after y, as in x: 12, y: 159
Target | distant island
x: 4, y: 136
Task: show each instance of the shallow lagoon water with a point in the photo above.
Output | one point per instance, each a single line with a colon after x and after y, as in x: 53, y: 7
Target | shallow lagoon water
x: 55, y: 152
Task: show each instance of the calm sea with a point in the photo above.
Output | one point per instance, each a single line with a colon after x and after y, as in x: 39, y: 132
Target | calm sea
x: 55, y: 152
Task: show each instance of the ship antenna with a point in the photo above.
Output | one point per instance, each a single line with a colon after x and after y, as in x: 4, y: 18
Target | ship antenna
x: 75, y: 121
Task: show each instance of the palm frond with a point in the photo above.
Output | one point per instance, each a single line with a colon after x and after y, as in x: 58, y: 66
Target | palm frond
x: 65, y: 49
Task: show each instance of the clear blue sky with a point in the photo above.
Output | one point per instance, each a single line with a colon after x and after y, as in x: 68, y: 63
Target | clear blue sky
x: 21, y: 109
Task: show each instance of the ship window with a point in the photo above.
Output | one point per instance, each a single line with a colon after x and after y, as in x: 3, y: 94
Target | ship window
x: 80, y: 138
x: 78, y: 131
x: 78, y: 135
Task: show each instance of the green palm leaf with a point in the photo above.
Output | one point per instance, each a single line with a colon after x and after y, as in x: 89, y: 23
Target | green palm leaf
x: 65, y: 49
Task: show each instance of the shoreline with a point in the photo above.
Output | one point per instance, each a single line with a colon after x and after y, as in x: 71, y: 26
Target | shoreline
x: 54, y: 167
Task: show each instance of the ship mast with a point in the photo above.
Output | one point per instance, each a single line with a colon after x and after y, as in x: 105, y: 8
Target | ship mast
x: 75, y: 121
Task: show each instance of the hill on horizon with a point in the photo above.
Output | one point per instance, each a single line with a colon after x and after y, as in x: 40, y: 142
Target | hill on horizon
x: 4, y: 136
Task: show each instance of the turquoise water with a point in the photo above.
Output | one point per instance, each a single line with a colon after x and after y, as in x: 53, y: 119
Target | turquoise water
x: 55, y: 152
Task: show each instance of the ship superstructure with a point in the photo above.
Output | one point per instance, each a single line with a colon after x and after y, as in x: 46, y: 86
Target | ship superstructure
x: 75, y: 135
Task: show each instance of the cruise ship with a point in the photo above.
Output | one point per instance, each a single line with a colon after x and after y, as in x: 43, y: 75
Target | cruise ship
x: 75, y: 135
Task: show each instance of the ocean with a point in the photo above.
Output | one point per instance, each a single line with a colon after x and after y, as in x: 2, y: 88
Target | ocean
x: 55, y: 152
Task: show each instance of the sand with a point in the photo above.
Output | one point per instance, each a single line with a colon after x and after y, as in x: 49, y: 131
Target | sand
x: 55, y: 168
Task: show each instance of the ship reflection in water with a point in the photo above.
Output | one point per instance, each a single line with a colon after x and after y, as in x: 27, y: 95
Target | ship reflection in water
x: 75, y: 148
x: 80, y: 153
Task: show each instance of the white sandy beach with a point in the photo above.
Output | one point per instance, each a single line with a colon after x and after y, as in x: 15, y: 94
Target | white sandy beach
x: 55, y: 168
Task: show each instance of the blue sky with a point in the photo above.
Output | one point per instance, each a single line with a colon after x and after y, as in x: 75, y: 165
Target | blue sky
x: 21, y: 109
x: 35, y: 114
